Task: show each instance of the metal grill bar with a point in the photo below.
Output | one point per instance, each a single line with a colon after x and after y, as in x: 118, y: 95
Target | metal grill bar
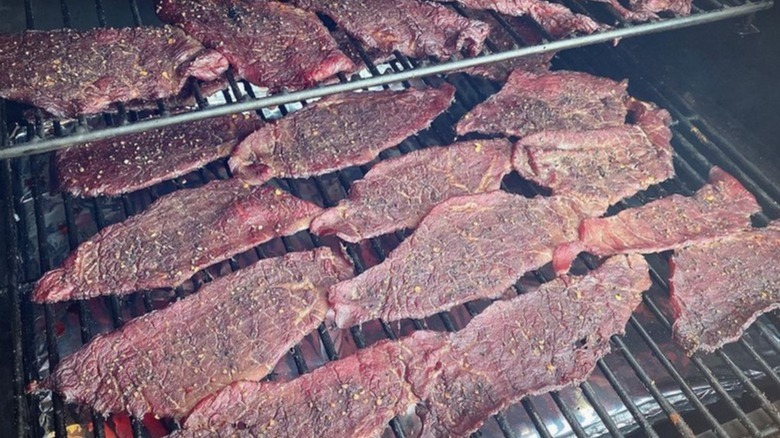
x: 42, y: 145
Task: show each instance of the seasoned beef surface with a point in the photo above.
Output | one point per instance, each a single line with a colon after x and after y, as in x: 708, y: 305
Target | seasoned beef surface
x: 397, y: 193
x: 648, y: 7
x: 135, y: 161
x: 556, y: 19
x: 719, y: 288
x: 466, y: 248
x: 533, y: 344
x: 175, y: 237
x: 336, y: 132
x: 560, y: 100
x: 68, y: 72
x: 514, y: 349
x: 717, y: 209
x: 598, y: 167
x: 237, y: 327
x: 414, y: 28
x: 352, y: 397
x: 270, y: 44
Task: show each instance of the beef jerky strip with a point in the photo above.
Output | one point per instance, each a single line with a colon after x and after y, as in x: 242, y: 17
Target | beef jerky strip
x: 719, y: 288
x: 397, y: 193
x: 598, y: 167
x: 132, y: 162
x: 236, y: 327
x: 414, y: 28
x: 337, y: 132
x: 555, y: 19
x: 466, y: 248
x: 560, y: 100
x: 270, y: 44
x: 178, y: 235
x: 72, y: 72
x: 720, y: 207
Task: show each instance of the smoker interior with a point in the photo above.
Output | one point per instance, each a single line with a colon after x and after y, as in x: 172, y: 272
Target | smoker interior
x: 645, y: 387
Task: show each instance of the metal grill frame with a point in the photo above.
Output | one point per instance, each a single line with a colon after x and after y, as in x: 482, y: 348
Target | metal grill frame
x: 697, y: 157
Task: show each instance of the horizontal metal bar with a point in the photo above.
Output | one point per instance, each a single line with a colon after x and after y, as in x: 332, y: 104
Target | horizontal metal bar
x: 41, y: 146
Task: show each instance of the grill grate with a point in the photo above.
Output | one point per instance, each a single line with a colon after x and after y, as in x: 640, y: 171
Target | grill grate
x: 643, y: 388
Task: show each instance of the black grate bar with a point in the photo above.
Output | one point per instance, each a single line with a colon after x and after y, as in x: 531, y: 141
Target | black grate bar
x: 280, y: 99
x: 568, y: 415
x: 587, y: 391
x: 135, y: 12
x: 647, y: 428
x: 674, y: 416
x: 101, y: 13
x: 541, y: 428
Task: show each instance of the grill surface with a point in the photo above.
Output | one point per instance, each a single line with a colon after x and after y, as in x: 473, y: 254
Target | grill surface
x: 646, y: 387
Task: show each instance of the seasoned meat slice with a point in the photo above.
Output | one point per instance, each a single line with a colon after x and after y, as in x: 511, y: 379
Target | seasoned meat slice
x: 337, y: 132
x: 466, y: 248
x: 236, y: 327
x: 560, y: 100
x: 414, y: 28
x: 719, y: 208
x: 132, y: 162
x: 270, y: 44
x: 72, y: 72
x: 178, y: 235
x: 397, y: 193
x: 720, y: 287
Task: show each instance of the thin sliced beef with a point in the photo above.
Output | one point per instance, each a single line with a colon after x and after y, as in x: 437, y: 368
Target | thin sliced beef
x: 235, y: 328
x: 538, y: 342
x: 647, y: 7
x: 397, y: 193
x: 175, y: 237
x: 270, y: 44
x: 356, y: 396
x: 500, y: 71
x: 336, y: 132
x: 560, y: 100
x: 132, y: 162
x: 414, y: 28
x: 598, y: 167
x: 720, y: 287
x: 68, y: 72
x: 514, y: 349
x: 554, y: 18
x: 720, y: 207
x: 466, y: 248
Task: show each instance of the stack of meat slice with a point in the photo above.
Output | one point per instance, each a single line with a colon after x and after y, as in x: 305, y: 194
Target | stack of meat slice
x: 270, y: 44
x: 414, y: 28
x: 132, y: 162
x: 720, y: 287
x: 513, y: 349
x: 236, y: 327
x: 70, y: 73
x: 336, y: 132
x: 180, y: 234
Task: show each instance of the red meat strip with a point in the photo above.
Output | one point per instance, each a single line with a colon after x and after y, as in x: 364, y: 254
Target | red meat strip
x: 236, y: 327
x: 175, y: 237
x: 717, y: 209
x: 560, y: 100
x: 270, y: 44
x: 414, y: 28
x: 68, y: 72
x: 132, y: 162
x: 720, y: 287
x: 397, y: 193
x: 337, y: 132
x: 466, y: 248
